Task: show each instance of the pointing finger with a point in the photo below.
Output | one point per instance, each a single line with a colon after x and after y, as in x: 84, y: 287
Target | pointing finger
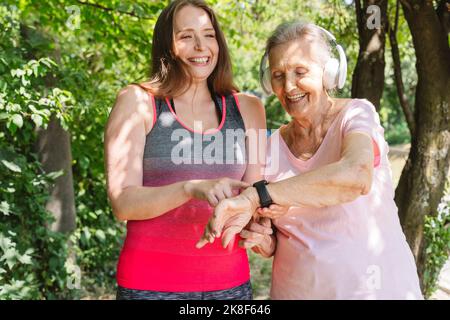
x: 201, y: 243
x: 239, y: 184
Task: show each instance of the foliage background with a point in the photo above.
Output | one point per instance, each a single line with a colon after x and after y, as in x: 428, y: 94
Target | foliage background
x: 68, y: 59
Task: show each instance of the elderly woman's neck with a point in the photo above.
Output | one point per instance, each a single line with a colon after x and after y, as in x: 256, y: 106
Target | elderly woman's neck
x: 315, y: 122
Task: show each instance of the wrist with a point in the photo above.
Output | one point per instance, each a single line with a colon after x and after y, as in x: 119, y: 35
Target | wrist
x: 265, y: 200
x: 188, y: 188
x: 252, y: 195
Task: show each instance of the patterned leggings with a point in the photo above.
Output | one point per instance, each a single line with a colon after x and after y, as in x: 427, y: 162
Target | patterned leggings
x: 242, y: 292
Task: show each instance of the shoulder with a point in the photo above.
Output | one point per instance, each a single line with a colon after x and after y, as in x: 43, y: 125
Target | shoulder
x: 362, y: 117
x: 249, y: 101
x: 252, y: 110
x: 361, y: 104
x: 349, y: 110
x: 133, y: 101
x: 133, y: 97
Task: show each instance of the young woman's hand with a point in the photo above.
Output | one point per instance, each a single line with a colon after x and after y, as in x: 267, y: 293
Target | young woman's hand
x: 213, y: 190
x: 230, y: 217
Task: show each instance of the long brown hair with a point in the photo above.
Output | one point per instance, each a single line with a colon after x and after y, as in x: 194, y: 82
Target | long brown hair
x: 169, y: 76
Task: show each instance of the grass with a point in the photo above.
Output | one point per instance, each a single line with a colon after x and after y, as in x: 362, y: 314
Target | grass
x: 261, y: 274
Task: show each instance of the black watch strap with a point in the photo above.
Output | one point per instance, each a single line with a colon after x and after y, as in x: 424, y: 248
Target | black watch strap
x: 264, y: 196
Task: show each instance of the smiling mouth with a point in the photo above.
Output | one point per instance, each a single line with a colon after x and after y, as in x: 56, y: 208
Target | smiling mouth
x: 201, y: 61
x: 296, y: 98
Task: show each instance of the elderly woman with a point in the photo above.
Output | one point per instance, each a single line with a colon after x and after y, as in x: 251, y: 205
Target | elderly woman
x: 339, y: 236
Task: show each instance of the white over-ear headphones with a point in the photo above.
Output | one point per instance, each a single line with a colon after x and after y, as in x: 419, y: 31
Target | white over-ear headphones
x: 334, y: 73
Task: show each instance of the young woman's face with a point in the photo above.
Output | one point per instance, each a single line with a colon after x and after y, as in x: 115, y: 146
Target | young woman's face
x: 195, y: 41
x: 296, y: 76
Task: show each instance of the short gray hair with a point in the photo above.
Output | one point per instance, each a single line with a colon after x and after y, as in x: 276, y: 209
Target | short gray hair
x: 296, y: 30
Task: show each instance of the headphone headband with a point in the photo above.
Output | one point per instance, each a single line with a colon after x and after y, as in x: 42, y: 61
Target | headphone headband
x: 337, y: 76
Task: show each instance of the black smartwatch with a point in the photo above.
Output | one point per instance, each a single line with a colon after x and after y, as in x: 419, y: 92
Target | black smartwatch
x: 264, y: 196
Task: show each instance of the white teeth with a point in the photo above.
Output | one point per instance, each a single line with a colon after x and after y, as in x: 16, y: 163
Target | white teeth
x: 296, y: 97
x: 199, y: 60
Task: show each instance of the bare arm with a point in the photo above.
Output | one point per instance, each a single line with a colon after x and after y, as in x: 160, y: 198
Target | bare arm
x: 128, y: 123
x: 254, y: 116
x: 339, y: 182
x: 335, y: 183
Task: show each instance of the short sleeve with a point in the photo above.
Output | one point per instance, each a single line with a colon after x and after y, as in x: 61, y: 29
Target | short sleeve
x: 362, y: 117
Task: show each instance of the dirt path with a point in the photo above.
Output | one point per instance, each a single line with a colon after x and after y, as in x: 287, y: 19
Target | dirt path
x: 397, y: 157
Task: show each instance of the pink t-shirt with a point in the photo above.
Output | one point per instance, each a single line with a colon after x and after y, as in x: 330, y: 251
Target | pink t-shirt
x: 355, y: 250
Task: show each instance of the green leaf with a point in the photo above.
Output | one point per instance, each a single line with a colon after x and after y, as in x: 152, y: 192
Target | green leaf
x: 48, y: 62
x: 11, y: 166
x: 25, y: 82
x: 25, y: 259
x: 100, y: 235
x: 9, y: 257
x: 12, y: 127
x: 37, y: 119
x: 92, y: 215
x: 17, y: 120
x: 33, y: 108
x: 5, y: 243
x: 55, y: 174
x: 4, y: 208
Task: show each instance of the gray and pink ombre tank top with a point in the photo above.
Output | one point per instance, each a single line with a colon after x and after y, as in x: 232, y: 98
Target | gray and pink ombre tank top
x: 159, y: 254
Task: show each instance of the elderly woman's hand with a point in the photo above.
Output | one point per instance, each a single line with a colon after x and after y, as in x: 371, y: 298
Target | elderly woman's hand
x: 257, y: 233
x: 274, y: 211
x: 230, y: 217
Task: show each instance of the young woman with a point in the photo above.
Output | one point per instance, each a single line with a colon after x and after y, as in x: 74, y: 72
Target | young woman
x: 175, y: 146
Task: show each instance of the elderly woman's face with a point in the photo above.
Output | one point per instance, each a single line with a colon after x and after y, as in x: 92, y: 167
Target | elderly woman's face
x: 296, y: 75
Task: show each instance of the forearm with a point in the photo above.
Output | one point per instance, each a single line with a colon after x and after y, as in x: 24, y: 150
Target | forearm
x: 329, y: 185
x: 141, y: 203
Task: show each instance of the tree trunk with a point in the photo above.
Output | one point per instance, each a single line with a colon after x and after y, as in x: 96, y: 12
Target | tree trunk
x: 53, y: 147
x: 407, y: 110
x: 55, y: 154
x: 422, y: 181
x: 368, y: 76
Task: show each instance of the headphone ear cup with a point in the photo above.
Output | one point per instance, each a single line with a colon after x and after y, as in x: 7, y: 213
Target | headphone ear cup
x: 266, y: 82
x: 330, y: 74
x: 342, y: 67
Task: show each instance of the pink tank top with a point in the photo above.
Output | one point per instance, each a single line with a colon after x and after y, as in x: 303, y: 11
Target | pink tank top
x: 159, y: 254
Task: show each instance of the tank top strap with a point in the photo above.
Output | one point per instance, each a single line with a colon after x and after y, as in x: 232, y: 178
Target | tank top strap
x: 233, y: 113
x: 160, y: 107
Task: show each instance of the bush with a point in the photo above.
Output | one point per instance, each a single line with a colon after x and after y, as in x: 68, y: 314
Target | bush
x: 32, y: 257
x: 437, y: 239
